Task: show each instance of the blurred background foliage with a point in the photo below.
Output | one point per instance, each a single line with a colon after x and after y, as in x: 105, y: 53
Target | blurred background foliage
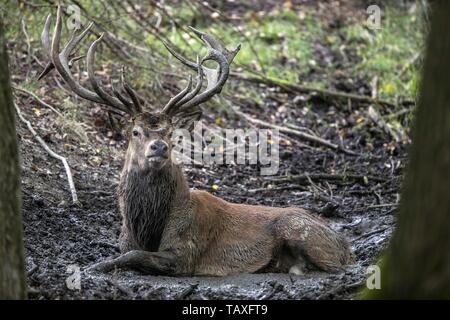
x: 291, y: 41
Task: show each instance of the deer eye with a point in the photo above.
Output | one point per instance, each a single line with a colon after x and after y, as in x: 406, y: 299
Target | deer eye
x: 135, y: 133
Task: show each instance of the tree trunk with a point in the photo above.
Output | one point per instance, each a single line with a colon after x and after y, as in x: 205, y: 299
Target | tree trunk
x: 417, y: 263
x: 12, y: 274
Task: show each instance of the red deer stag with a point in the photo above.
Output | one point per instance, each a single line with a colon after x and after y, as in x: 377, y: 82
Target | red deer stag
x: 168, y: 229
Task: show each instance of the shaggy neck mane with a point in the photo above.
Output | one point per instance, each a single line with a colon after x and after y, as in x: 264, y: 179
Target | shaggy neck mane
x: 148, y: 200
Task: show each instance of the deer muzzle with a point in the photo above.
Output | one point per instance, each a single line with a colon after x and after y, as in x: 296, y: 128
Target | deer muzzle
x: 157, y: 150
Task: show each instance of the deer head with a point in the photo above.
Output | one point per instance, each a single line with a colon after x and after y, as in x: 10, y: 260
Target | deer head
x: 150, y: 130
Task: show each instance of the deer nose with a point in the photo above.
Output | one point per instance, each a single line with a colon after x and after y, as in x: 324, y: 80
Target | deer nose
x: 158, y: 148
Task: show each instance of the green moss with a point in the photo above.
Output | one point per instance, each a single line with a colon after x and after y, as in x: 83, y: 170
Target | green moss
x: 387, y: 53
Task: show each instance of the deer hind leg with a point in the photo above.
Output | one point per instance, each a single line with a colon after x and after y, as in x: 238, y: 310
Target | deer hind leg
x: 310, y: 243
x: 147, y: 262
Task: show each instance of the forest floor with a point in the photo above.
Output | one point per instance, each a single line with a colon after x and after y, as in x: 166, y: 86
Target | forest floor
x: 356, y: 193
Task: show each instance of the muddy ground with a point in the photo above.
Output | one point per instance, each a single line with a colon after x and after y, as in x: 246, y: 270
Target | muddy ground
x: 59, y: 234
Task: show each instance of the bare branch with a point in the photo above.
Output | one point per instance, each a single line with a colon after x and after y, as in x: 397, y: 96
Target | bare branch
x: 39, y: 100
x: 297, y: 133
x: 52, y: 154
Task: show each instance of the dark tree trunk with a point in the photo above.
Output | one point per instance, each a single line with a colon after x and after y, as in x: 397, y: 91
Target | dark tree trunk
x: 417, y: 263
x: 12, y: 275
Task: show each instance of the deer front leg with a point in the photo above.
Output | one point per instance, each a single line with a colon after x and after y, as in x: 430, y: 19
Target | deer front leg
x: 126, y: 243
x: 161, y: 263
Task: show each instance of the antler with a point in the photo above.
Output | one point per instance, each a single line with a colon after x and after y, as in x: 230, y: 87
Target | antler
x: 60, y: 62
x: 186, y: 101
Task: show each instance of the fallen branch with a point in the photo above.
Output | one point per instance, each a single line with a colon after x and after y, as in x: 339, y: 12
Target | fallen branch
x: 297, y: 133
x: 27, y: 40
x: 324, y: 93
x: 187, y: 292
x: 306, y: 178
x: 52, y: 154
x: 259, y: 190
x: 366, y: 235
x: 39, y: 100
x: 397, y: 114
x: 376, y: 206
x: 397, y: 134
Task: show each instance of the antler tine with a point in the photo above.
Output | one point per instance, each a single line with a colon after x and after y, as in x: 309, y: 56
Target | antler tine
x: 75, y: 59
x: 59, y: 60
x: 46, y: 45
x: 45, y: 39
x: 119, y: 96
x: 61, y: 65
x: 214, y: 86
x: 172, y: 102
x: 216, y: 78
x: 131, y: 92
x: 217, y: 45
x: 198, y: 85
x: 210, y: 42
x: 108, y: 99
x: 185, y: 61
x: 134, y: 106
x: 75, y: 40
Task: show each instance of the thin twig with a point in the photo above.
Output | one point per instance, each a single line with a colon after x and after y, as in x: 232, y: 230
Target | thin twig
x: 27, y: 40
x: 304, y: 178
x: 397, y: 134
x: 52, y: 154
x: 39, y: 100
x: 324, y: 93
x: 290, y: 188
x: 366, y: 235
x: 376, y: 206
x: 397, y: 114
x: 297, y: 133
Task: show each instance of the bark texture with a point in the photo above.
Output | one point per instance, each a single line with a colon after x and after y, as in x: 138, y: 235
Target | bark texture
x: 12, y: 274
x: 417, y: 263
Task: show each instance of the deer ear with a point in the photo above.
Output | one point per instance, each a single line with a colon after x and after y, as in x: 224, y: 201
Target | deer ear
x: 186, y: 121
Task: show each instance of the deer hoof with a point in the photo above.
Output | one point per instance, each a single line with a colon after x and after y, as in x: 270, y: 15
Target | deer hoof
x: 297, y: 270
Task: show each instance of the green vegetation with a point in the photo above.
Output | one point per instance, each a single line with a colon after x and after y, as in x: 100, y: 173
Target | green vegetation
x: 281, y: 44
x: 389, y: 52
